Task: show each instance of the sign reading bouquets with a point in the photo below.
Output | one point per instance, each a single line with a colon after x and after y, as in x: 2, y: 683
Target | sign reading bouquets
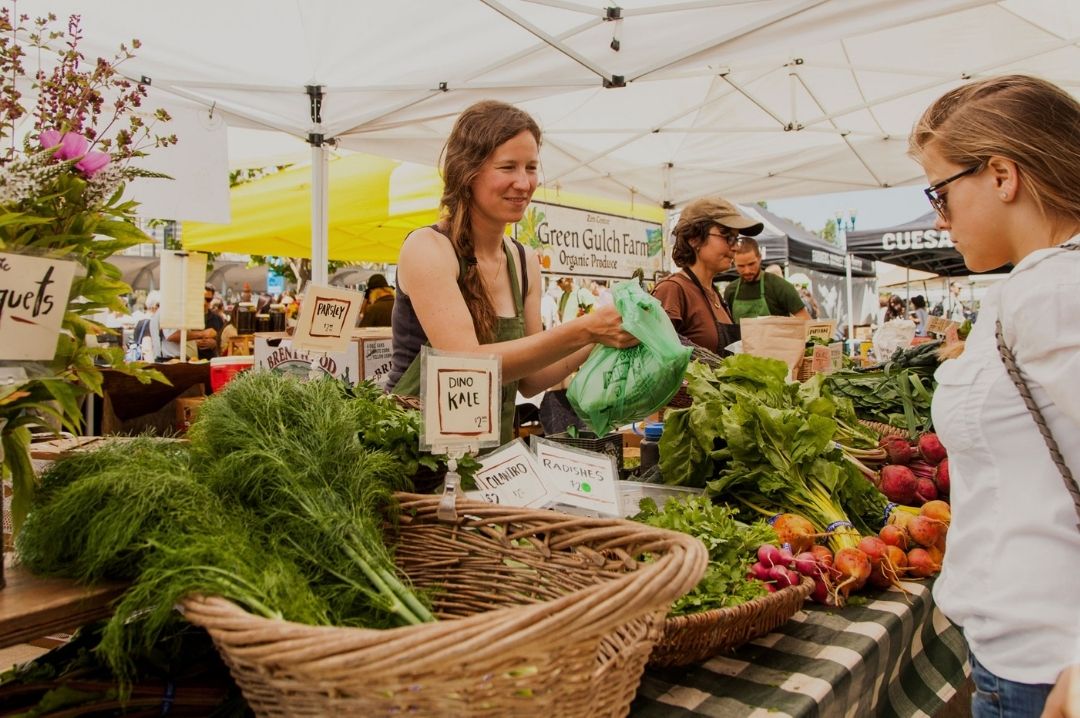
x: 33, y: 298
x: 591, y: 244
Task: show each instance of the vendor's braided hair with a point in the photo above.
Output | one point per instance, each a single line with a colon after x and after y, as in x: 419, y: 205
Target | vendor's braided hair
x: 479, y: 130
x: 1030, y: 121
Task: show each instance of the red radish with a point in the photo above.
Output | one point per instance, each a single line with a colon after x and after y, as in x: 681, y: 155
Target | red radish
x: 806, y: 564
x: 925, y: 490
x: 760, y: 571
x: 941, y: 477
x: 920, y: 564
x: 898, y: 483
x: 786, y: 559
x: 894, y: 536
x: 937, y: 510
x: 769, y: 555
x: 820, y: 594
x: 795, y: 531
x: 874, y: 548
x: 931, y: 449
x: 924, y: 530
x: 898, y: 449
x: 771, y: 587
x: 785, y: 577
x: 854, y: 568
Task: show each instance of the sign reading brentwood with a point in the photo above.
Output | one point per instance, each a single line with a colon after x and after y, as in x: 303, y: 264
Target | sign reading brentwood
x: 33, y: 299
x: 576, y: 241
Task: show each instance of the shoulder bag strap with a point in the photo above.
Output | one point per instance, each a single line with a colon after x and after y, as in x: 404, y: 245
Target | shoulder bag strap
x: 697, y: 283
x: 1013, y: 370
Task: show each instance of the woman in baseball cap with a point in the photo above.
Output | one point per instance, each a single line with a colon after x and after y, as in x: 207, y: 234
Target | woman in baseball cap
x: 704, y: 238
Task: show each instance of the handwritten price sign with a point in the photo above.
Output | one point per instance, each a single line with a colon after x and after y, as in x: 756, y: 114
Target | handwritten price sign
x: 33, y: 299
x: 327, y: 317
x: 461, y: 396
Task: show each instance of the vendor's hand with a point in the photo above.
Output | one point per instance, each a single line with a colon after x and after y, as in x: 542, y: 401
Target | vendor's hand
x: 1064, y: 699
x: 605, y: 327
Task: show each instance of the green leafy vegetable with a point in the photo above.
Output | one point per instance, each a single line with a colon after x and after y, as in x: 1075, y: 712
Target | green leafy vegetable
x: 731, y: 545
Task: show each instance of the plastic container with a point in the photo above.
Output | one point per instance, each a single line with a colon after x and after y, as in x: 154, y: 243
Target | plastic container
x: 223, y: 369
x: 631, y: 492
x: 650, y: 445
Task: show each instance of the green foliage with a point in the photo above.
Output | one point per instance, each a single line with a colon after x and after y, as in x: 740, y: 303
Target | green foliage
x: 767, y: 445
x: 52, y: 208
x: 731, y: 545
x: 276, y: 502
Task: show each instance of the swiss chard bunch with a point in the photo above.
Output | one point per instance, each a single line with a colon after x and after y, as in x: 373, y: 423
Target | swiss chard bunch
x: 732, y: 547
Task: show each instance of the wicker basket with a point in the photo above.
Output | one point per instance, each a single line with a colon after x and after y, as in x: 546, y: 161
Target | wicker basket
x: 883, y: 430
x: 698, y: 636
x: 542, y: 614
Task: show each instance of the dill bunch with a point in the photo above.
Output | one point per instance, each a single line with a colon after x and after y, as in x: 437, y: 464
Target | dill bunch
x: 290, y: 451
x: 97, y: 511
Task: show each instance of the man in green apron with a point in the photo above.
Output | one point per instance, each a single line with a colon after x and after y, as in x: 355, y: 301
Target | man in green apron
x: 760, y: 294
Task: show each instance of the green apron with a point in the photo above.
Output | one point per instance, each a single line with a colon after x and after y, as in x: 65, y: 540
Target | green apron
x: 748, y: 308
x: 506, y: 329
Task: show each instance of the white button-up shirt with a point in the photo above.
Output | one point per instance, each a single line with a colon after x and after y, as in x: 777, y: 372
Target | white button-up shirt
x: 1011, y: 575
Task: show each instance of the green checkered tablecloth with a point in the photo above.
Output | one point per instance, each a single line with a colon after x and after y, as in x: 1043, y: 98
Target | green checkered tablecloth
x: 895, y: 655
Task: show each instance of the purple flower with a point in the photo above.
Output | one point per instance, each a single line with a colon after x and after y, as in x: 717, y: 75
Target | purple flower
x: 49, y: 138
x: 72, y: 145
x: 93, y: 163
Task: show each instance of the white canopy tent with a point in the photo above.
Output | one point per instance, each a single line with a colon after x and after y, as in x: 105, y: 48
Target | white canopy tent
x: 657, y: 101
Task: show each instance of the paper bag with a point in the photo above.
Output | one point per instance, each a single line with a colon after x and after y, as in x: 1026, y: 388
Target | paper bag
x: 782, y: 338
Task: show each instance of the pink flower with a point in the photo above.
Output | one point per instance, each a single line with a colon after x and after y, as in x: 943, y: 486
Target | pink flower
x: 93, y: 163
x: 72, y: 145
x: 49, y: 138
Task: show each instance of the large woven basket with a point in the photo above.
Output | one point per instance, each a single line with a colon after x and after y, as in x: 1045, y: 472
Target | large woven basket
x: 883, y: 429
x: 698, y: 636
x: 541, y: 614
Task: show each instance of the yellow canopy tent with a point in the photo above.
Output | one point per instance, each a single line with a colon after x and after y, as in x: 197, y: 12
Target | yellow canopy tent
x: 374, y: 203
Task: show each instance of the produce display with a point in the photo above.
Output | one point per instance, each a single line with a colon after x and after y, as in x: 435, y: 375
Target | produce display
x: 896, y: 393
x: 279, y: 503
x: 797, y: 453
x: 731, y: 545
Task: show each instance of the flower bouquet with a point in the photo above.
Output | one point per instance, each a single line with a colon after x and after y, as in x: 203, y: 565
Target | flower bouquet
x: 61, y: 198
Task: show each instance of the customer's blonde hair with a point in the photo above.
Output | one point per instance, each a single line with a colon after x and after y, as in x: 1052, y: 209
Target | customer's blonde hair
x: 1028, y: 120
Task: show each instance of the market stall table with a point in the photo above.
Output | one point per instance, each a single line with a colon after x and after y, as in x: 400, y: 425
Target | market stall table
x: 32, y: 606
x: 896, y: 655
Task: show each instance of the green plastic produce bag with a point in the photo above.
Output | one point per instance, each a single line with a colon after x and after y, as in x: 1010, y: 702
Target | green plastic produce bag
x: 620, y: 386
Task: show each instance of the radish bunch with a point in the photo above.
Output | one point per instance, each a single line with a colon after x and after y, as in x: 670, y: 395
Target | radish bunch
x: 779, y: 568
x: 918, y: 473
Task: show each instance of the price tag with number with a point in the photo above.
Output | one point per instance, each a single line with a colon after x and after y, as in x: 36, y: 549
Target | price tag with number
x: 461, y: 396
x: 326, y: 320
x: 509, y: 476
x: 583, y: 479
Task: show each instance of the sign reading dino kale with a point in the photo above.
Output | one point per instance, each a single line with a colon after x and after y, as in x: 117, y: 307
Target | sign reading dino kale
x: 591, y: 244
x: 33, y: 298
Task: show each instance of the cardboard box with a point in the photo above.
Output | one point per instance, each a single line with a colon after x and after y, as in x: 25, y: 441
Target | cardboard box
x: 376, y: 352
x: 368, y: 356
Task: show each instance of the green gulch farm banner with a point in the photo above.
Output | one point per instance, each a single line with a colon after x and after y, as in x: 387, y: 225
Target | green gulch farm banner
x: 591, y: 244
